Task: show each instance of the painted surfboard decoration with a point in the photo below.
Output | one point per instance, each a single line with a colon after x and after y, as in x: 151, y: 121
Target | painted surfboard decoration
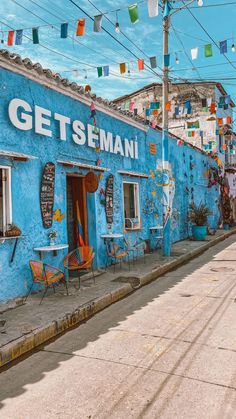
x: 47, y: 194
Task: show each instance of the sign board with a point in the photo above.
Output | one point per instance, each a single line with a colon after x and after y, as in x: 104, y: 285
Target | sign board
x: 47, y: 194
x: 152, y: 148
x: 109, y: 199
x: 91, y: 182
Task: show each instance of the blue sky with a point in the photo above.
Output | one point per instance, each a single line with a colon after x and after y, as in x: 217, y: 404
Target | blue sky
x: 97, y: 49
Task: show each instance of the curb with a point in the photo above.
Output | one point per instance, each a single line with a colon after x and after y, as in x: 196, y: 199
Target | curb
x: 30, y: 341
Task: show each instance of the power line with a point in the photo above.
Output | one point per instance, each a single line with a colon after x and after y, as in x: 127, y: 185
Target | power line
x: 207, y: 33
x: 54, y: 26
x: 114, y: 38
x: 207, y: 6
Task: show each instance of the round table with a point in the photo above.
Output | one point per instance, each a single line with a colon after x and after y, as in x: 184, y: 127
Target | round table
x: 53, y: 249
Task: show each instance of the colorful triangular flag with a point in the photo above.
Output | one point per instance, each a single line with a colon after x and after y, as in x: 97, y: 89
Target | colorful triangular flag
x: 133, y: 13
x: 223, y: 47
x: 64, y: 30
x: 167, y: 9
x: 10, y: 38
x: 208, y: 50
x: 19, y: 36
x: 153, y: 62
x: 80, y: 27
x: 106, y: 70
x: 122, y: 68
x: 99, y: 70
x: 194, y: 53
x: 97, y: 24
x: 140, y: 64
x: 35, y: 35
x: 152, y: 8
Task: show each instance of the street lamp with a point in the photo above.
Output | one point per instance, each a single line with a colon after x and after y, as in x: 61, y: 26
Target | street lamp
x: 165, y: 139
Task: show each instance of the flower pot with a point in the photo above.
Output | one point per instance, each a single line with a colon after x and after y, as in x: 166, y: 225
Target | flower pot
x: 199, y: 232
x: 226, y: 226
x: 52, y: 241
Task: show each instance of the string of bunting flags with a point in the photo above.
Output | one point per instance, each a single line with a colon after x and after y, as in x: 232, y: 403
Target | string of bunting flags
x: 15, y: 37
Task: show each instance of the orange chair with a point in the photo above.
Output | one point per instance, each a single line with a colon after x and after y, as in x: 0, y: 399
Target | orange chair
x: 116, y: 254
x: 46, y: 275
x: 80, y: 260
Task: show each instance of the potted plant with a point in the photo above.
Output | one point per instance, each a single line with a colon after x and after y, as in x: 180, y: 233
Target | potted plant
x: 52, y: 236
x: 198, y: 215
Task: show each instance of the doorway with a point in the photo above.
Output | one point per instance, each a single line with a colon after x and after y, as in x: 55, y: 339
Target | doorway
x: 77, y: 217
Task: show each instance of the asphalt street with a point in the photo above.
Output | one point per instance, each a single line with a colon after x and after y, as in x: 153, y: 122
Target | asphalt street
x: 166, y: 351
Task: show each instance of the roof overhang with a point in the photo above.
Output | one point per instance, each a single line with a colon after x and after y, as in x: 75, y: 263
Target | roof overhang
x: 16, y: 156
x: 133, y: 174
x: 69, y: 163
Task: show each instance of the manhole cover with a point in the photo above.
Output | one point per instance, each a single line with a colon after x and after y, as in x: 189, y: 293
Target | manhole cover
x: 222, y: 269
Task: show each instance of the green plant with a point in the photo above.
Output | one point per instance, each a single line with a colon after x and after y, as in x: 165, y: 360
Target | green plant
x: 52, y: 234
x: 198, y: 214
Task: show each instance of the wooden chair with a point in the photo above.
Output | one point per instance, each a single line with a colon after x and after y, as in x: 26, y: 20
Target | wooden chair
x: 46, y: 275
x: 115, y: 253
x: 80, y: 260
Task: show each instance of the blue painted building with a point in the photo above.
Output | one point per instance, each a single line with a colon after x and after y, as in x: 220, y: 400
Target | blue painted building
x: 48, y: 119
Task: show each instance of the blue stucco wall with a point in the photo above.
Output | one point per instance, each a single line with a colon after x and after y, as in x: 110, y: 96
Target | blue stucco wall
x: 15, y: 278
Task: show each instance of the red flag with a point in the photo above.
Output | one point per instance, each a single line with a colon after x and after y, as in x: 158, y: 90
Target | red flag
x: 10, y: 39
x: 140, y: 64
x: 80, y: 27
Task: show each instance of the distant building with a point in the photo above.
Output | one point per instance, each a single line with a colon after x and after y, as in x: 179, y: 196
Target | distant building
x: 199, y: 113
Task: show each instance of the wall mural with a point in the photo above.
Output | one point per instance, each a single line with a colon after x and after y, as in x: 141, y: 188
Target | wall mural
x: 58, y: 216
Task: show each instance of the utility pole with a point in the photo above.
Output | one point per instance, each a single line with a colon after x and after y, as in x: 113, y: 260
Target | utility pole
x: 165, y: 134
x: 165, y: 141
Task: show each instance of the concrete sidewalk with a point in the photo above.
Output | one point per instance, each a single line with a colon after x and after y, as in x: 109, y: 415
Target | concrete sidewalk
x: 29, y: 325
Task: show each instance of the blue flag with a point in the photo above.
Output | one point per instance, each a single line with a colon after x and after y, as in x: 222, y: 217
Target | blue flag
x: 223, y: 47
x: 19, y: 35
x: 64, y: 30
x: 106, y: 70
x: 167, y: 9
x: 167, y: 60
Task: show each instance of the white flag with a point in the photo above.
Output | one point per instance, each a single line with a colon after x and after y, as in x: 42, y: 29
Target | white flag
x: 209, y: 101
x: 194, y: 53
x: 152, y: 8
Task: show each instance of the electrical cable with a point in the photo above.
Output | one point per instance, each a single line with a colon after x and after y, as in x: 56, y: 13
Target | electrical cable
x: 54, y: 26
x: 114, y: 38
x: 207, y: 33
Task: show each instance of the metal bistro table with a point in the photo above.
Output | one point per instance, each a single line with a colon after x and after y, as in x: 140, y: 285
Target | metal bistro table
x: 53, y: 249
x: 158, y: 229
x: 111, y: 236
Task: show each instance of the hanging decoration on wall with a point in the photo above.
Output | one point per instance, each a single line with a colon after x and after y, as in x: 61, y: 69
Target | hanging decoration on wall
x: 58, y: 216
x: 102, y: 197
x: 109, y: 199
x: 47, y: 194
x: 91, y: 182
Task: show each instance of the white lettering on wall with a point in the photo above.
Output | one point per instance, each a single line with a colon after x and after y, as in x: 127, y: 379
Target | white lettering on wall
x: 25, y: 122
x: 40, y: 120
x: 63, y: 120
x: 91, y: 136
x: 79, y: 136
x: 129, y: 148
x: 21, y: 116
x: 106, y: 141
x: 136, y: 149
x: 118, y: 146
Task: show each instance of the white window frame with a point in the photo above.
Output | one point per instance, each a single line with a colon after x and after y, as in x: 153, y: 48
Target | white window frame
x: 136, y: 203
x: 7, y: 196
